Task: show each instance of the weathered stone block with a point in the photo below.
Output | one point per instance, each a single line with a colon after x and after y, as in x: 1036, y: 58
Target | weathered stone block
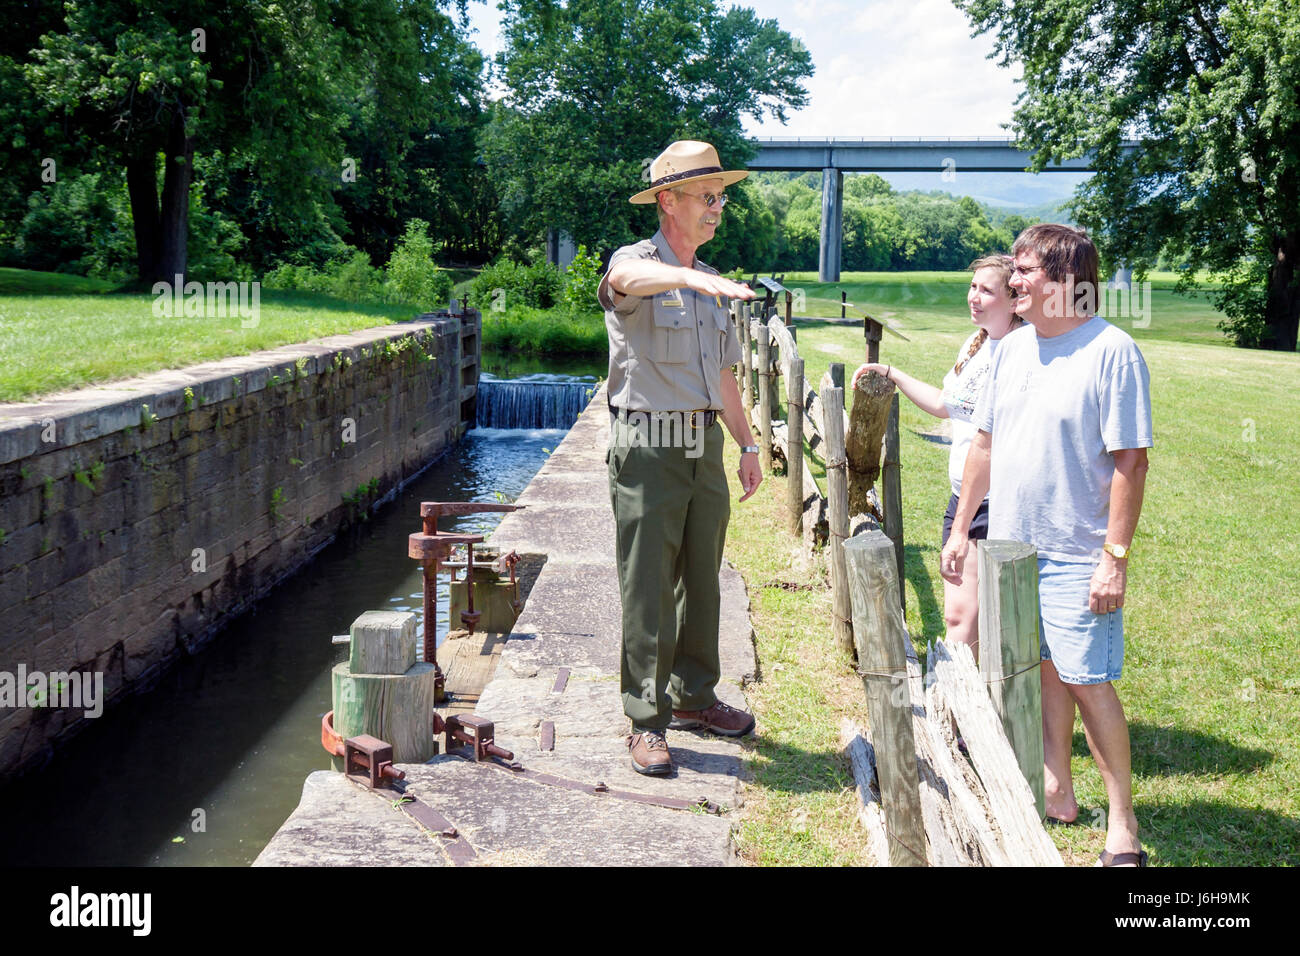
x: 19, y: 439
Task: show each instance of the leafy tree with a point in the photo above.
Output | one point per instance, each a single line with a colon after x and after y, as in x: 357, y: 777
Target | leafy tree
x: 271, y: 86
x: 1211, y: 91
x: 597, y: 88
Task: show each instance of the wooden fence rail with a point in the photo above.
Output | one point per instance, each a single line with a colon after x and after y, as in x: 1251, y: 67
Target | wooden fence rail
x: 935, y: 806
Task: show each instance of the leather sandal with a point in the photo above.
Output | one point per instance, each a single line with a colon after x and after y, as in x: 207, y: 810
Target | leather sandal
x: 1122, y: 859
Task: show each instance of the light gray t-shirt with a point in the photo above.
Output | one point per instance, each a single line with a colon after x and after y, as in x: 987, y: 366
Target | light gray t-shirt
x: 1056, y: 409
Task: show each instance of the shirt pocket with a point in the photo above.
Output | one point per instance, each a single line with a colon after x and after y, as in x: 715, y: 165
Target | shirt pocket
x: 721, y: 321
x: 672, y: 332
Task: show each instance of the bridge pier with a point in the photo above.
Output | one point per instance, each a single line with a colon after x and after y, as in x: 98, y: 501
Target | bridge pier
x: 832, y: 237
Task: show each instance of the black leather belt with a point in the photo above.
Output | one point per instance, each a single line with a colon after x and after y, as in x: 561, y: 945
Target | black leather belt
x: 703, y: 418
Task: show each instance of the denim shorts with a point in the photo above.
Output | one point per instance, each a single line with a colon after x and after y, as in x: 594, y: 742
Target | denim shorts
x: 1085, y: 648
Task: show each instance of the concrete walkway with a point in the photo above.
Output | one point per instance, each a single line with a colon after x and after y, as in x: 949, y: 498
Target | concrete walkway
x: 571, y: 620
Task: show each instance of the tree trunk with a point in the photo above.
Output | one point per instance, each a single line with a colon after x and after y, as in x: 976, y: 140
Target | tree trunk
x: 142, y: 187
x: 174, y: 215
x: 1282, y: 310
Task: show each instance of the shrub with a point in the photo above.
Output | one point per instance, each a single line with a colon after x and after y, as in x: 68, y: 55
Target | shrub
x: 412, y: 276
x: 354, y: 279
x: 523, y: 329
x: 351, y: 278
x: 506, y: 284
x: 581, y: 282
x: 63, y: 220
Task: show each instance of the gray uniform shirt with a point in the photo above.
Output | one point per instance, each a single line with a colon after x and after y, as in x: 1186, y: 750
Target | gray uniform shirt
x: 666, y: 351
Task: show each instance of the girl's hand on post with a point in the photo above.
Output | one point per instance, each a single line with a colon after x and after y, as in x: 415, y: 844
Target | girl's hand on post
x: 876, y: 367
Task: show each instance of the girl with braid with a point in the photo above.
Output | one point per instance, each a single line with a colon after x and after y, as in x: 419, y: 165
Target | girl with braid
x: 991, y: 309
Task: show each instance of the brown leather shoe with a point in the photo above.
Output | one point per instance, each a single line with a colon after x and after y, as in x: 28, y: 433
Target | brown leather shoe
x: 720, y: 719
x: 650, y: 753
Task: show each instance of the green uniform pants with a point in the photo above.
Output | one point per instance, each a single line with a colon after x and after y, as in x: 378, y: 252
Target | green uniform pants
x: 670, y: 512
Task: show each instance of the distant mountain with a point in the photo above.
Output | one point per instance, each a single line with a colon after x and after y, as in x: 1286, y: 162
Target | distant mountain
x: 1023, y: 193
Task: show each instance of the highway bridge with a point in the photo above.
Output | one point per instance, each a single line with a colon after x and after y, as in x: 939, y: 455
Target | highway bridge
x: 834, y: 157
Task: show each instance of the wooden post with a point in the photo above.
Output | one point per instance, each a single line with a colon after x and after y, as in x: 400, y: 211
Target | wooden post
x: 746, y: 351
x: 837, y: 506
x: 837, y: 374
x: 891, y: 494
x: 844, y: 299
x: 794, y: 445
x: 391, y: 699
x: 873, y: 331
x: 868, y: 423
x: 882, y: 661
x: 764, y: 400
x: 1008, y: 622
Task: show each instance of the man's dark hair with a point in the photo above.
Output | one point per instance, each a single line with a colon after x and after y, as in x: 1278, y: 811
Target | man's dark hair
x: 1066, y: 254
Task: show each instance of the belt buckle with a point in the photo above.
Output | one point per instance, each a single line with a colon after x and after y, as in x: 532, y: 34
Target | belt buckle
x: 694, y: 423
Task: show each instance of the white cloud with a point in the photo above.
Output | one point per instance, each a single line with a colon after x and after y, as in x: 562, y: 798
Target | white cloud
x: 883, y: 68
x: 891, y: 68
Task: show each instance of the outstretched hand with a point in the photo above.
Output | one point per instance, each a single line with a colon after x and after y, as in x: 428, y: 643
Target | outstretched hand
x: 717, y: 285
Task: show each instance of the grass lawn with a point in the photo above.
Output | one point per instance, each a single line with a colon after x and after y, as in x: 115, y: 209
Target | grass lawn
x: 1211, y: 684
x: 928, y: 301
x: 60, y: 332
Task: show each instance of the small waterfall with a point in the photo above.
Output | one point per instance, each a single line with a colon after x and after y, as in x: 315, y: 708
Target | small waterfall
x: 536, y: 401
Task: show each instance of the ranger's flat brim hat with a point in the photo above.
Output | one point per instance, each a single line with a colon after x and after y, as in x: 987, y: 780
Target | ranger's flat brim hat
x: 686, y: 161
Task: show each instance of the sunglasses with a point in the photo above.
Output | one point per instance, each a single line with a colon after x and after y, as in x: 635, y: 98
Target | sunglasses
x: 710, y: 198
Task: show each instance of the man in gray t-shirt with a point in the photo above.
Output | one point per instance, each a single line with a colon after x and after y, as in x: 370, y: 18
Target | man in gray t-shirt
x: 1064, y: 424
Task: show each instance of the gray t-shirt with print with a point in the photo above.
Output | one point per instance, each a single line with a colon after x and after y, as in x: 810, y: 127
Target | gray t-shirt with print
x: 1057, y: 408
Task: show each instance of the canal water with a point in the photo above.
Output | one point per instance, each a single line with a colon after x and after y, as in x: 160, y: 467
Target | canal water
x: 203, y: 768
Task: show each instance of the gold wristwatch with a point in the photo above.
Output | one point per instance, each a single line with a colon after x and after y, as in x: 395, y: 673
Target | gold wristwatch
x: 1117, y: 550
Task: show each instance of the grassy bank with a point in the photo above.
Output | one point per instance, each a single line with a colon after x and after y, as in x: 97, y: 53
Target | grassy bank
x: 69, y: 336
x: 61, y: 332
x: 1211, y: 686
x: 927, y: 301
x: 544, y: 332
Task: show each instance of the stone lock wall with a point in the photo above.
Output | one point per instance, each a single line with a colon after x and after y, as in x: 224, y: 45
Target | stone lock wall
x: 138, y: 518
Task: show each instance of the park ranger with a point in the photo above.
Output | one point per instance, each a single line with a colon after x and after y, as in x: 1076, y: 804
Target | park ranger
x: 671, y: 348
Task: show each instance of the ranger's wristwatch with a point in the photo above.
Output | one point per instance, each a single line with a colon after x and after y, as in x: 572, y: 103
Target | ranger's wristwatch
x: 749, y: 449
x: 1116, y: 550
